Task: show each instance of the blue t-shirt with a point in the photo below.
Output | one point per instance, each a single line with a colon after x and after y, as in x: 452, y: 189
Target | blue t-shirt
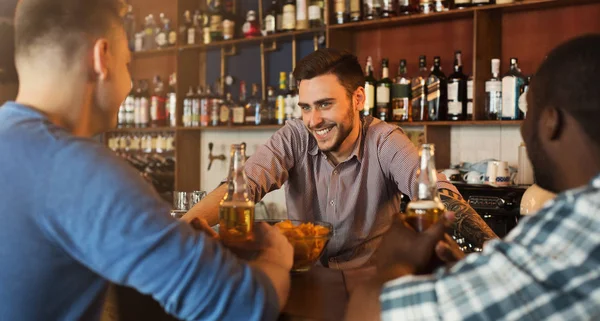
x: 74, y: 215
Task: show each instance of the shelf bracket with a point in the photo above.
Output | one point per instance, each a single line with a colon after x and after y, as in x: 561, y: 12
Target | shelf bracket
x: 232, y: 51
x: 271, y: 48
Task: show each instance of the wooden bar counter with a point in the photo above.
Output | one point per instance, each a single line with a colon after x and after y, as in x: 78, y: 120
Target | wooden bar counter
x: 319, y: 294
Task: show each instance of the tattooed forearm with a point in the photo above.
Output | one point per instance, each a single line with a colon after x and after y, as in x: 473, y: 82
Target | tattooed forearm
x: 468, y: 223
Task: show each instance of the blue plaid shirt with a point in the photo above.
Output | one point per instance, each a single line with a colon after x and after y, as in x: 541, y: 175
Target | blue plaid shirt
x: 547, y: 268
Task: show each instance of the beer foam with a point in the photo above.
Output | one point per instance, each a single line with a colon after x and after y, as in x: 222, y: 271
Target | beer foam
x: 425, y: 205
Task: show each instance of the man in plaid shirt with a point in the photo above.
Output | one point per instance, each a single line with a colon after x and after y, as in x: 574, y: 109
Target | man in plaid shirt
x: 548, y: 268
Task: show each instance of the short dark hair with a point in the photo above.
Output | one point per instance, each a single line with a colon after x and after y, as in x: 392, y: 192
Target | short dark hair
x: 568, y: 80
x: 66, y: 24
x: 332, y: 61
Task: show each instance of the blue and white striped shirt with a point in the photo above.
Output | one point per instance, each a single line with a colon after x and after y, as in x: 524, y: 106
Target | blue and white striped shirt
x: 547, y: 268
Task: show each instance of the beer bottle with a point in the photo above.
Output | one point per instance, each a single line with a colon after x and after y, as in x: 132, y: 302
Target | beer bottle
x: 236, y: 211
x: 425, y: 207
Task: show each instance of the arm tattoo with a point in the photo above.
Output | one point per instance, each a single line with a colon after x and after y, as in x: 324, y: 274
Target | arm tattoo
x: 468, y: 223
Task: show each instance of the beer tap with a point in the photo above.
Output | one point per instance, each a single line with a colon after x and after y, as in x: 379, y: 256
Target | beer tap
x: 212, y: 157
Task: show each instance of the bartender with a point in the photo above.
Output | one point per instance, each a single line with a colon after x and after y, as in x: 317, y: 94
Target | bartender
x: 341, y: 167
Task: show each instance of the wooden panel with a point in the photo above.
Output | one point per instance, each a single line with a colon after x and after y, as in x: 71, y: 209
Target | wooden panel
x: 148, y: 66
x: 7, y: 8
x: 188, y: 74
x: 340, y: 39
x: 440, y: 136
x: 530, y: 35
x: 408, y: 42
x: 187, y: 169
x: 487, y: 45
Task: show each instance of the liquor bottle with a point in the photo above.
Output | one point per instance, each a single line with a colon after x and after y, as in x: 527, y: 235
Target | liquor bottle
x: 293, y: 111
x: 225, y: 112
x: 196, y: 107
x: 441, y: 5
x: 372, y: 9
x: 144, y: 104
x: 161, y: 36
x: 426, y: 207
x: 279, y: 22
x: 171, y: 104
x: 236, y: 210
x: 504, y: 1
x: 315, y: 13
x: 271, y: 107
x: 401, y: 110
x: 301, y: 15
x: 184, y: 28
x: 270, y: 19
x: 203, y: 21
x: 214, y: 105
x: 130, y: 102
x: 243, y: 93
x: 512, y: 88
x: 493, y: 93
x: 229, y: 23
x: 356, y: 13
x: 280, y: 109
x: 289, y: 15
x: 121, y: 122
x: 254, y: 108
x: 369, y: 89
x: 457, y: 91
x: 437, y: 92
x: 408, y: 6
x: 187, y: 108
x: 389, y: 8
x: 171, y: 33
x: 426, y: 6
x: 419, y: 92
x: 462, y: 4
x: 216, y: 21
x: 523, y: 97
x: 482, y: 2
x: 238, y: 116
x: 158, y: 114
x: 150, y: 33
x: 129, y: 25
x: 341, y: 14
x: 204, y: 100
x: 383, y: 95
x: 251, y: 27
x: 470, y: 88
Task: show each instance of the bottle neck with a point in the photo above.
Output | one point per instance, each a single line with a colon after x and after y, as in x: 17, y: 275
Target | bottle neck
x: 427, y: 176
x: 237, y: 187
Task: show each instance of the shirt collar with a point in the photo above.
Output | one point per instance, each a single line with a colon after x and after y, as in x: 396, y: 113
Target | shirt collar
x: 313, y: 148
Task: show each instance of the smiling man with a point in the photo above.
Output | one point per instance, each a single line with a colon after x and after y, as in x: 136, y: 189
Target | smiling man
x: 341, y: 167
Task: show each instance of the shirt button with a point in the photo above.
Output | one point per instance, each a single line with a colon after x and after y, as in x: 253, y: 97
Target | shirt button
x: 335, y: 172
x: 332, y: 203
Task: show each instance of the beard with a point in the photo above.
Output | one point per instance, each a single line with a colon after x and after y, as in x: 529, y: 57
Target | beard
x: 343, y: 131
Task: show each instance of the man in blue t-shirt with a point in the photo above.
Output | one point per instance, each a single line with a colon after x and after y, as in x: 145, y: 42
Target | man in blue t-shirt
x: 73, y: 216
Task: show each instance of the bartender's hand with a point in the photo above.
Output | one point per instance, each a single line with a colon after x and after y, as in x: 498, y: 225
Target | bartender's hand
x: 201, y: 224
x: 404, y: 251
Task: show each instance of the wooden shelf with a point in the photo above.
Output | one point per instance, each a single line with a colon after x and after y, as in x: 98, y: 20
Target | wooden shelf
x: 533, y: 5
x: 154, y: 52
x: 462, y: 123
x: 142, y: 130
x: 302, y: 34
x: 232, y: 128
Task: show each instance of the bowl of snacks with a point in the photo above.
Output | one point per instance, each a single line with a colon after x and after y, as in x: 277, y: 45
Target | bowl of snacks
x: 308, y: 239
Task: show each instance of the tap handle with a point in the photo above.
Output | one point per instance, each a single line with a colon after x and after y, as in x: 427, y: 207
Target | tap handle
x: 210, y: 147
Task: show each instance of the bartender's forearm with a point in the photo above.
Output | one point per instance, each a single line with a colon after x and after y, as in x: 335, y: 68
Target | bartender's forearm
x: 468, y: 223
x: 208, y: 208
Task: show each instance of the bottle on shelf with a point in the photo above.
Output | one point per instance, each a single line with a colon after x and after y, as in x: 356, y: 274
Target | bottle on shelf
x: 158, y: 113
x: 229, y: 23
x: 280, y: 113
x: 419, y: 92
x: 457, y: 91
x: 384, y: 91
x: 271, y: 107
x: 279, y: 22
x: 170, y: 36
x: 341, y: 14
x: 243, y: 93
x: 238, y: 116
x: 187, y: 108
x: 226, y: 111
x: 437, y: 92
x: 315, y: 14
x: 504, y: 1
x: 204, y: 107
x: 214, y: 105
x: 196, y: 106
x: 185, y: 25
x: 523, y: 97
x: 512, y: 87
x: 470, y: 88
x: 462, y: 4
x: 441, y: 5
x: 150, y: 33
x: 203, y: 29
x: 236, y: 210
x: 291, y: 99
x: 130, y: 102
x: 251, y: 27
x: 493, y: 93
x: 482, y: 2
x: 426, y: 207
x: 215, y: 20
x: 144, y: 104
x: 356, y: 13
x: 129, y: 25
x: 401, y: 110
x: 389, y: 8
x: 289, y: 15
x: 254, y: 108
x: 370, y: 83
x: 408, y: 6
x: 171, y: 104
x: 372, y: 9
x: 301, y: 15
x: 121, y: 121
x: 162, y: 34
x: 426, y: 6
x: 270, y: 18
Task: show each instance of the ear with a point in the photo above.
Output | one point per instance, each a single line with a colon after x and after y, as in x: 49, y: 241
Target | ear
x: 100, y: 55
x: 358, y: 98
x: 551, y: 123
